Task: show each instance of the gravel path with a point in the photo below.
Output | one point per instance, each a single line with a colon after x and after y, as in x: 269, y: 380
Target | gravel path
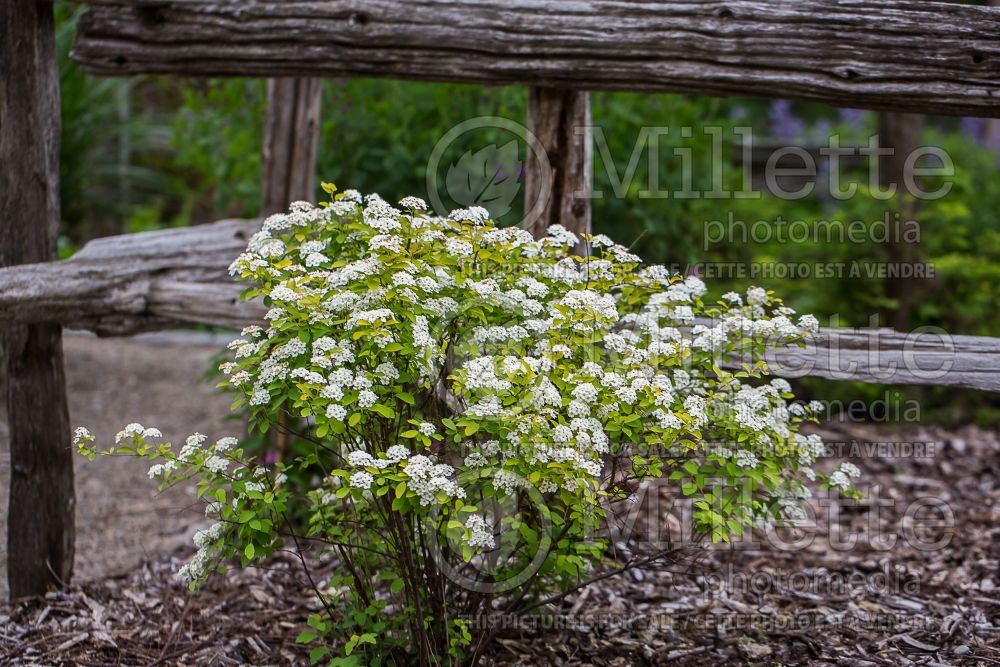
x: 121, y: 519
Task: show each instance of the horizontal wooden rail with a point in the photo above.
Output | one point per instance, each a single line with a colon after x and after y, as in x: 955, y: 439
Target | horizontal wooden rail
x: 903, y: 55
x: 126, y: 284
x: 140, y: 282
x: 883, y: 356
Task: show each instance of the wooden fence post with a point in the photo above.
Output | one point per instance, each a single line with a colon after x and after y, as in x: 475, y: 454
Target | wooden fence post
x: 288, y: 161
x: 560, y: 119
x: 291, y: 136
x: 901, y: 133
x: 993, y: 124
x: 40, y: 529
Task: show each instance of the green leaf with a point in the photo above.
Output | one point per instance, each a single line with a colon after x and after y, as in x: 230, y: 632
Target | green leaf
x: 351, y: 661
x: 249, y: 551
x: 318, y: 654
x: 384, y: 410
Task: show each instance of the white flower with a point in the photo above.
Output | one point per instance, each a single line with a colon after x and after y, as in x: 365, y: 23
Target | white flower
x: 367, y: 398
x: 191, y: 446
x: 809, y: 323
x: 388, y: 242
x: 850, y: 470
x: 360, y: 459
x: 840, y: 480
x: 757, y: 296
x: 562, y: 434
x: 695, y: 406
x: 781, y: 385
x: 133, y: 430
x: 216, y: 464
x: 260, y: 397
x: 555, y: 355
x: 253, y: 487
x: 426, y: 479
x: 352, y: 196
x: 292, y: 348
x: 421, y: 336
x: 585, y: 392
x: 203, y: 538
x: 413, y: 203
x: 458, y: 248
x: 282, y: 293
x: 307, y: 375
x: 361, y: 480
x: 480, y: 537
x: 745, y: 459
x: 507, y: 481
x: 81, y: 435
x: 397, y: 453
x: 476, y: 460
x: 475, y: 214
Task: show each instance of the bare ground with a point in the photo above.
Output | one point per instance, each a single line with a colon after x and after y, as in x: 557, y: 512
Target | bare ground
x: 859, y: 604
x: 121, y: 519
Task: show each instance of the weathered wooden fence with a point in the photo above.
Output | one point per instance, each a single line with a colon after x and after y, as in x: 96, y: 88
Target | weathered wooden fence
x: 893, y: 55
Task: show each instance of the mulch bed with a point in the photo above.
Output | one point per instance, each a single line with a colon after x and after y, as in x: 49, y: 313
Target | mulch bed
x: 863, y: 605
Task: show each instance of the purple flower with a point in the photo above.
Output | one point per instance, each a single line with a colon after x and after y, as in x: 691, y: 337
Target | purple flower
x: 822, y: 130
x: 783, y: 123
x: 853, y: 117
x: 992, y: 135
x: 974, y: 128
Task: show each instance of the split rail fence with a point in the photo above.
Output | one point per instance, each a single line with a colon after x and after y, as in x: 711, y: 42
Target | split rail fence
x: 900, y: 56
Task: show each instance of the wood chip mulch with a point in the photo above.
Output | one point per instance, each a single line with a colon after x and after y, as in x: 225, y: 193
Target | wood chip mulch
x: 865, y: 604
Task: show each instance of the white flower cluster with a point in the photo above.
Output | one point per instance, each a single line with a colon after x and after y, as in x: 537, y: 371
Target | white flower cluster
x: 841, y: 478
x: 427, y: 479
x: 480, y: 535
x: 550, y: 362
x: 130, y: 432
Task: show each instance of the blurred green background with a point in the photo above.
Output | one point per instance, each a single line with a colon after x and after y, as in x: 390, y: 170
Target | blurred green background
x: 152, y: 152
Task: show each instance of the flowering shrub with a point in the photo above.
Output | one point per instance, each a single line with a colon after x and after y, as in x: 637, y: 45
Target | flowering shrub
x: 474, y: 399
